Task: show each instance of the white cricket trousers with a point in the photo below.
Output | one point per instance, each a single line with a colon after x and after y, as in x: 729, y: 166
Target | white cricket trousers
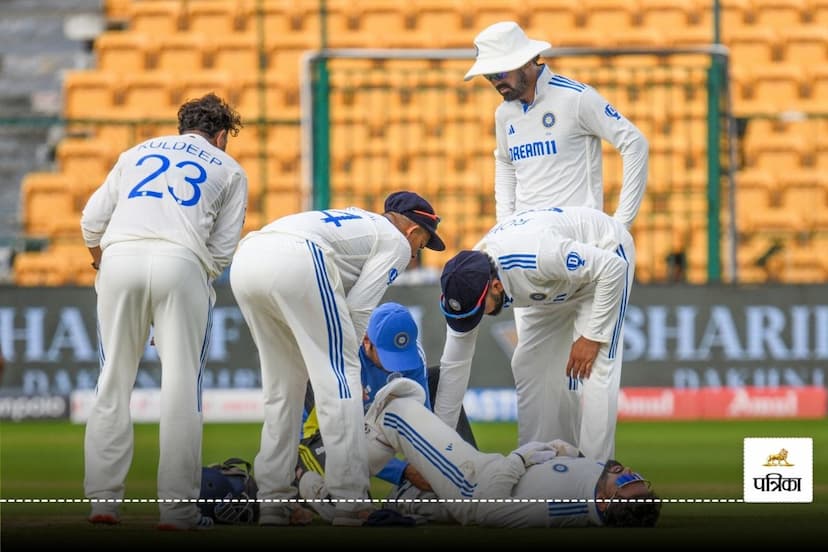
x: 552, y: 405
x: 293, y: 301
x: 455, y: 469
x: 143, y: 283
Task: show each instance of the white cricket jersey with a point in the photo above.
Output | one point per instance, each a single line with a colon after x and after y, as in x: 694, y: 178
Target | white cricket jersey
x: 549, y: 152
x: 545, y: 257
x: 178, y: 188
x: 564, y: 479
x: 368, y: 250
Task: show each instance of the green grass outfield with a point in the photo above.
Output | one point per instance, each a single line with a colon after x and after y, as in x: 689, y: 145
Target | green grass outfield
x: 684, y: 460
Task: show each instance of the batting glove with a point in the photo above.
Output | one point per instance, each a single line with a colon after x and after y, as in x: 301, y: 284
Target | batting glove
x: 535, y: 452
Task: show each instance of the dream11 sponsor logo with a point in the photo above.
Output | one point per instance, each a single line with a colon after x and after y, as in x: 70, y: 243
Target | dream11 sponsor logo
x: 778, y: 469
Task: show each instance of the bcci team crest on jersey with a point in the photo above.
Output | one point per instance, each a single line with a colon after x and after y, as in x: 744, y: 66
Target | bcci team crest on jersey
x: 778, y: 469
x: 548, y: 120
x: 574, y: 261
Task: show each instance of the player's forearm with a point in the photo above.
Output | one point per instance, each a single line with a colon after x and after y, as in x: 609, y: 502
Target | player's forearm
x: 455, y: 370
x: 635, y: 158
x: 504, y: 185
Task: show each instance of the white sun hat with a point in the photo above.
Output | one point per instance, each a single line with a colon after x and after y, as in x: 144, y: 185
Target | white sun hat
x: 503, y: 47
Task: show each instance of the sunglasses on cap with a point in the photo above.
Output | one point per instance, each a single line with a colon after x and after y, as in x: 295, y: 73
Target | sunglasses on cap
x: 472, y: 312
x: 496, y: 76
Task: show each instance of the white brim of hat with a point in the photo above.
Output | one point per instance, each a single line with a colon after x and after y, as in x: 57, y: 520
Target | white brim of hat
x: 508, y: 62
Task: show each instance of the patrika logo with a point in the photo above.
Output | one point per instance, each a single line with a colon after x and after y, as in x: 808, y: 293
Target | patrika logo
x: 778, y: 459
x: 778, y: 469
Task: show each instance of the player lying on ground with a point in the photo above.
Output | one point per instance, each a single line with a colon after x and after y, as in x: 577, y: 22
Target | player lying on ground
x: 570, y: 490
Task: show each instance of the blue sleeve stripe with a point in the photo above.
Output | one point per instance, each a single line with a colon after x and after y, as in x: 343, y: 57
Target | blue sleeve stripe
x: 560, y: 509
x: 434, y: 456
x: 332, y: 321
x: 560, y: 80
x: 518, y: 260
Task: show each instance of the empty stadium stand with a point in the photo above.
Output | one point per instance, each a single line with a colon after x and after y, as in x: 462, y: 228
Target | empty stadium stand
x: 416, y: 124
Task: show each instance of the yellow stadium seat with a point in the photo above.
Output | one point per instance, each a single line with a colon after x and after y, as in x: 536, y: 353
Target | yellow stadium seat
x: 752, y: 46
x: 755, y: 190
x: 486, y: 12
x: 770, y: 90
x: 547, y: 17
x: 734, y: 14
x: 47, y: 197
x: 443, y: 17
x: 776, y: 154
x: 379, y: 16
x: 668, y: 14
x: 89, y: 94
x: 157, y: 18
x: 817, y: 79
x: 117, y: 10
x: 805, y: 45
x: 237, y: 53
x: 284, y: 54
x: 148, y: 95
x: 215, y: 18
x: 278, y: 204
x: 181, y: 52
x: 283, y: 17
x: 123, y: 51
x: 818, y: 10
x: 780, y: 13
x: 272, y: 97
x: 85, y: 157
x: 37, y: 269
x: 195, y: 84
x: 602, y: 15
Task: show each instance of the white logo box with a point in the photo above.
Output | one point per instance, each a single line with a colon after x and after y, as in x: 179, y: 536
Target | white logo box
x: 778, y: 469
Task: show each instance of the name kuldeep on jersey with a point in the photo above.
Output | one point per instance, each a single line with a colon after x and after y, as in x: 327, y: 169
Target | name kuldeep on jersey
x: 187, y: 147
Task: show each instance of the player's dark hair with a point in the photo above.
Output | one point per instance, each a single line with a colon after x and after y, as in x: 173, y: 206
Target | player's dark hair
x: 208, y: 114
x: 634, y: 513
x: 492, y: 268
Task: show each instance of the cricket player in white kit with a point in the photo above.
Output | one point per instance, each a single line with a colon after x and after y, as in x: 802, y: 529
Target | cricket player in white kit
x: 574, y: 266
x: 561, y: 487
x: 548, y: 132
x: 306, y: 285
x: 161, y: 228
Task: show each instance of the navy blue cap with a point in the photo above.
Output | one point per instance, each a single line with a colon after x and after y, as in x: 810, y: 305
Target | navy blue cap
x: 418, y: 210
x: 393, y: 332
x: 465, y: 283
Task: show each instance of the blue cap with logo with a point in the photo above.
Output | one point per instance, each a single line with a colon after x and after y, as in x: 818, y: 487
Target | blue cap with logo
x: 393, y: 332
x: 418, y: 210
x: 465, y: 283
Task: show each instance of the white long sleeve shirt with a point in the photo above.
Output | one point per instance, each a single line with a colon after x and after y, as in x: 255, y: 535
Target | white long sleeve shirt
x: 544, y: 257
x: 549, y: 152
x: 368, y: 250
x: 177, y: 188
x: 561, y: 482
